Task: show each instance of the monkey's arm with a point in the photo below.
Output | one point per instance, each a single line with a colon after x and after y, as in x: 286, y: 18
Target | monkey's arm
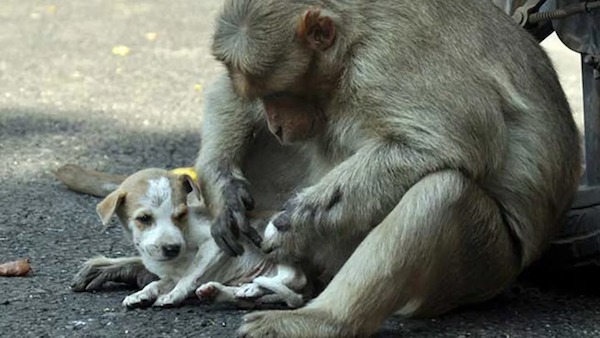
x: 228, y: 124
x: 351, y: 198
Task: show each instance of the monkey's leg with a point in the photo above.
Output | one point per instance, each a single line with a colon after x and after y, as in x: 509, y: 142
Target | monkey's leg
x: 444, y: 245
x: 99, y: 270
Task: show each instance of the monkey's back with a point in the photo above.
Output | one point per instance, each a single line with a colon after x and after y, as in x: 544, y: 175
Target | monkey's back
x: 465, y: 82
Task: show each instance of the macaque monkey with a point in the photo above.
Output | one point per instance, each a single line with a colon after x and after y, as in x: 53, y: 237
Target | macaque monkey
x: 447, y: 156
x: 442, y: 156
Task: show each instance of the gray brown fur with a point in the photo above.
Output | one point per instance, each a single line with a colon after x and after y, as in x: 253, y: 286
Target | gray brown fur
x: 450, y: 153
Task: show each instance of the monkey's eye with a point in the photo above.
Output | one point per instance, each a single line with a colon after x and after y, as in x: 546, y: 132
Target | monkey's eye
x: 144, y: 219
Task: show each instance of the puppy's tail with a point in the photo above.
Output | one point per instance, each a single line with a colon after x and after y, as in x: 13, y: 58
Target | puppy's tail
x: 88, y: 181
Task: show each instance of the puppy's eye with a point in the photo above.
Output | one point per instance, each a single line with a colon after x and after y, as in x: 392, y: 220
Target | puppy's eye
x: 144, y: 219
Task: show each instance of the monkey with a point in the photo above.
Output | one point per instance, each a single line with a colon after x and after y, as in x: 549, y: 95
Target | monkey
x: 446, y: 157
x: 446, y: 161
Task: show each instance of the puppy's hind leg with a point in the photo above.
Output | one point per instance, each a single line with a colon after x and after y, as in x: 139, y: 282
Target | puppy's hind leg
x: 285, y: 284
x: 266, y: 291
x: 444, y: 245
x: 220, y: 293
x: 249, y: 290
x: 99, y: 270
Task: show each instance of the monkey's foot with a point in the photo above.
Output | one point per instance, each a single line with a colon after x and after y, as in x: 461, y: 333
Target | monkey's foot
x: 297, y: 323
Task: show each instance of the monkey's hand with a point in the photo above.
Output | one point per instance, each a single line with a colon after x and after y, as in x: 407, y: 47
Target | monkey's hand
x: 231, y: 220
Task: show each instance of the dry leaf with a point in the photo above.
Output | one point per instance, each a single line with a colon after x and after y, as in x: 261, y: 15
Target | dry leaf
x: 121, y: 50
x: 198, y: 87
x: 151, y: 36
x: 16, y: 268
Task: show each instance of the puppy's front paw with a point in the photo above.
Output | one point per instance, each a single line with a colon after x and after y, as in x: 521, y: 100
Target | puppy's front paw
x: 171, y: 299
x: 138, y: 299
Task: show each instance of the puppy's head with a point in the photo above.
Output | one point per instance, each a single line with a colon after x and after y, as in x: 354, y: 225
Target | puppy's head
x: 152, y: 207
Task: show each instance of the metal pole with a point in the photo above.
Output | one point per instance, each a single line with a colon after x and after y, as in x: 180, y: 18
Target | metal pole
x: 591, y: 89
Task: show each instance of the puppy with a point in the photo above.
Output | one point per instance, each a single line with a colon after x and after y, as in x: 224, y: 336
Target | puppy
x: 163, y: 214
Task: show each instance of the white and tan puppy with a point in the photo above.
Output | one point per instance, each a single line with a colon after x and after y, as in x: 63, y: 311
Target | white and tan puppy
x: 164, y: 216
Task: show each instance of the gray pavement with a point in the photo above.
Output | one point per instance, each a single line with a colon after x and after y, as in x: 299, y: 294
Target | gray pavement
x: 66, y: 98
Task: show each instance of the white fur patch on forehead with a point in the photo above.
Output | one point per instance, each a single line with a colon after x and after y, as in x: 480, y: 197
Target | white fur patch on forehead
x: 159, y: 191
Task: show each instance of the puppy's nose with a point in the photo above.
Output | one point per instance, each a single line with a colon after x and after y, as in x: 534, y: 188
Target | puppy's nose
x: 171, y: 250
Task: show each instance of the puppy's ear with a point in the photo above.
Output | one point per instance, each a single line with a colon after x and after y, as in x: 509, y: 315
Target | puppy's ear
x: 107, y: 208
x: 188, y: 184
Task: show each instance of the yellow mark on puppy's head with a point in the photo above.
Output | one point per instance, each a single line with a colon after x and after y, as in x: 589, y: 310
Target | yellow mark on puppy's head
x: 186, y: 171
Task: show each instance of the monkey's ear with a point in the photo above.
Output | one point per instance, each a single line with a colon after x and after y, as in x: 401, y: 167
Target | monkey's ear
x: 106, y: 209
x: 317, y: 29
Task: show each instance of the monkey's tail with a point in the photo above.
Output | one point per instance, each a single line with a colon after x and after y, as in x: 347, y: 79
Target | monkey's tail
x: 88, y: 181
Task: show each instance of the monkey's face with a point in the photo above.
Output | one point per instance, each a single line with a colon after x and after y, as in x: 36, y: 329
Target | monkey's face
x: 292, y: 112
x: 271, y: 50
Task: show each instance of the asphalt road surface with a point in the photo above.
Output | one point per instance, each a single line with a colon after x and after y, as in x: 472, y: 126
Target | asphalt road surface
x: 67, y: 95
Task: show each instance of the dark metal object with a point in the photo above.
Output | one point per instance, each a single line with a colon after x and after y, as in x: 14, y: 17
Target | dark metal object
x: 589, y: 191
x: 563, y: 12
x: 541, y: 30
x: 591, y: 88
x: 580, y: 32
x: 520, y: 10
x: 521, y: 14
